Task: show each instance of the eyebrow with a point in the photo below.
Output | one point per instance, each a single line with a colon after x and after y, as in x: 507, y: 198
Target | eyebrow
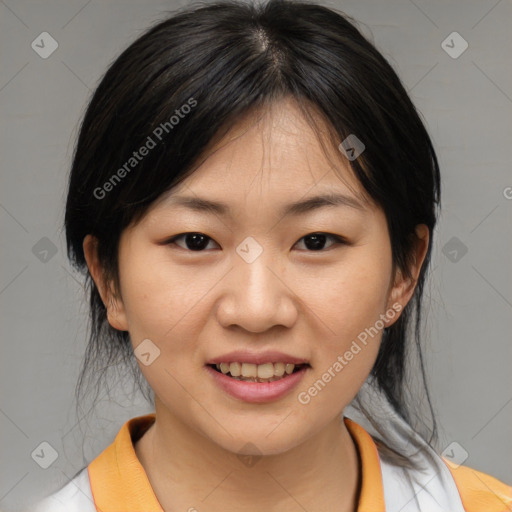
x: 300, y: 207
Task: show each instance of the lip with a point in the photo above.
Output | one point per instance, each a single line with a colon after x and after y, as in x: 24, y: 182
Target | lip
x: 270, y: 356
x: 257, y: 392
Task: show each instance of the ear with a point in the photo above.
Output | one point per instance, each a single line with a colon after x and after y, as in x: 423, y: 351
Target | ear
x: 115, y: 308
x: 402, y: 288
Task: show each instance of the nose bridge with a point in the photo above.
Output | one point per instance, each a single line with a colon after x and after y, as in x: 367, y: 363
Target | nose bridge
x: 255, y: 277
x: 255, y: 283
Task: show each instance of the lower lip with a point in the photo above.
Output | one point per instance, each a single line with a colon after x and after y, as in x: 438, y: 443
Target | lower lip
x: 257, y: 392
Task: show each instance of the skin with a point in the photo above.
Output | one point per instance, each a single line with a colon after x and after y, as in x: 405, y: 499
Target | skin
x: 195, y: 305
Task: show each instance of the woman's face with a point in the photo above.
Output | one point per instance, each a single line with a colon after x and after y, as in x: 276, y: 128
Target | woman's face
x: 258, y: 282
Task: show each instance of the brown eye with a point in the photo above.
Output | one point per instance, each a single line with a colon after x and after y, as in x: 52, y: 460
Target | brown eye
x: 193, y: 241
x: 316, y: 241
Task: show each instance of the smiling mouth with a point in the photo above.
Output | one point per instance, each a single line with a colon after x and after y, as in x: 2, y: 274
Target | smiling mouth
x: 249, y: 372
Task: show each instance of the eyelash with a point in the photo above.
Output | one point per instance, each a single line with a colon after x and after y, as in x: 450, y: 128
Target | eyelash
x: 338, y: 239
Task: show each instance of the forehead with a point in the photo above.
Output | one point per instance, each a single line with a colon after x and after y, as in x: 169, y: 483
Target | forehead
x: 271, y: 156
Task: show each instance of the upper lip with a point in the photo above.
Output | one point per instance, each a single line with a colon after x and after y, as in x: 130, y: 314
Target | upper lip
x: 244, y: 356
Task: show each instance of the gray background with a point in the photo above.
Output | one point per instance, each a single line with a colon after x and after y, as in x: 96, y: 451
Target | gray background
x: 466, y: 103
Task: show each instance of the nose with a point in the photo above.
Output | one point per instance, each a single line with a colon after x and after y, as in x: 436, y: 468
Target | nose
x: 256, y: 297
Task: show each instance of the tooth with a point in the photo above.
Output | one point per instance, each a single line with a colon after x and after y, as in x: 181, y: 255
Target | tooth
x: 279, y: 369
x: 289, y: 368
x: 265, y: 371
x: 249, y: 370
x: 235, y: 369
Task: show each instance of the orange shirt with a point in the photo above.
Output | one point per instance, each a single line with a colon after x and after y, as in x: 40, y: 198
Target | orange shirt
x: 119, y: 482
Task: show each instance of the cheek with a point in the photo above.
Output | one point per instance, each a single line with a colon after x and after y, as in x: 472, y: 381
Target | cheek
x: 352, y: 295
x: 351, y: 304
x: 160, y: 301
x: 343, y: 360
x: 162, y: 308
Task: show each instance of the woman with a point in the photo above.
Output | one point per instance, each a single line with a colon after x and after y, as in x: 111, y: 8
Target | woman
x: 253, y: 198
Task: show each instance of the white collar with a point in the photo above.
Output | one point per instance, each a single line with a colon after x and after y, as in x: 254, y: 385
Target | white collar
x: 432, y: 488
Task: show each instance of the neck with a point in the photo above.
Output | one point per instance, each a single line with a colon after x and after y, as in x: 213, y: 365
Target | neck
x: 188, y: 470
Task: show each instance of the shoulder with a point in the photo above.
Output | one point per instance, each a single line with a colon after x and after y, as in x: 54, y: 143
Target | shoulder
x: 75, y: 496
x: 480, y: 491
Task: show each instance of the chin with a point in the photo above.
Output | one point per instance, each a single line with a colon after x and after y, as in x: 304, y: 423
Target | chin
x: 260, y: 440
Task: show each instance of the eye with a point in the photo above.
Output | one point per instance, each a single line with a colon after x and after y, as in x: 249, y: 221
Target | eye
x: 193, y: 241
x: 316, y: 241
x: 197, y: 242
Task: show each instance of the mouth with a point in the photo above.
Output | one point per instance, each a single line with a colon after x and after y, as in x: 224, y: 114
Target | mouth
x: 260, y: 381
x: 250, y: 372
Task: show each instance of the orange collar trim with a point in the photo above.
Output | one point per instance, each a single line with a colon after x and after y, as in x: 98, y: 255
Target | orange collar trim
x: 119, y: 481
x: 371, y: 497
